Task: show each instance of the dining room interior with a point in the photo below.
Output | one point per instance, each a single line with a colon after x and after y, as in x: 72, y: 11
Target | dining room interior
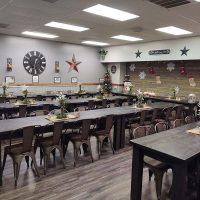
x: 99, y: 99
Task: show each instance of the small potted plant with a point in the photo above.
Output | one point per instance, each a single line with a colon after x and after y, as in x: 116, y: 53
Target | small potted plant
x: 140, y: 99
x: 5, y: 87
x: 103, y: 53
x: 62, y: 103
x: 25, y: 95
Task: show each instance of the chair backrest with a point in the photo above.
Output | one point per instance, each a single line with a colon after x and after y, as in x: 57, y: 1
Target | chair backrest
x: 161, y: 126
x: 91, y: 104
x: 178, y: 122
x: 28, y: 133
x: 46, y: 107
x: 104, y: 103
x: 150, y: 130
x: 22, y: 110
x: 139, y: 132
x: 190, y: 119
x: 85, y: 128
x: 143, y: 114
x: 165, y: 113
x: 2, y: 99
x: 155, y: 114
x: 57, y: 132
x: 179, y: 111
x: 109, y: 123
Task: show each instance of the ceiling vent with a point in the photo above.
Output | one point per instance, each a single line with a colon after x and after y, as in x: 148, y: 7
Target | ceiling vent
x: 2, y: 25
x: 50, y: 1
x: 170, y: 3
x: 137, y: 29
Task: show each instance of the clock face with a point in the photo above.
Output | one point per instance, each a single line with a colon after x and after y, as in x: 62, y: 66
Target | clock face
x: 34, y: 62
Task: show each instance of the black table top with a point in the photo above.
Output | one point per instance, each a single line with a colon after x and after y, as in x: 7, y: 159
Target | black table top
x: 17, y: 123
x: 176, y: 143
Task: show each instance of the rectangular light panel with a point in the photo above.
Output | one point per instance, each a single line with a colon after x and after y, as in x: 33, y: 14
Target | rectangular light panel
x: 111, y: 13
x: 173, y: 30
x: 38, y: 34
x: 66, y: 26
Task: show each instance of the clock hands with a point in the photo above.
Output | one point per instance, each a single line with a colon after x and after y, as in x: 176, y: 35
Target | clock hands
x: 35, y: 62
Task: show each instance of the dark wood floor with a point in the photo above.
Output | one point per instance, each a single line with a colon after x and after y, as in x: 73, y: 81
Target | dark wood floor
x: 106, y: 179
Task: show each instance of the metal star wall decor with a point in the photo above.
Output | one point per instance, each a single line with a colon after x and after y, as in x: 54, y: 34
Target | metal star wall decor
x: 184, y: 51
x: 138, y: 53
x: 73, y: 64
x: 142, y: 75
x: 132, y: 67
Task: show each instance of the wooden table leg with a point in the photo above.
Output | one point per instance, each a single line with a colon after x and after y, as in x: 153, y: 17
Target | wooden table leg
x: 137, y: 173
x: 1, y: 172
x: 179, y: 187
x: 122, y: 134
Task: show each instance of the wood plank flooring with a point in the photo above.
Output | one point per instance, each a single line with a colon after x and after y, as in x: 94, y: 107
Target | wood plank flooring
x: 106, y: 179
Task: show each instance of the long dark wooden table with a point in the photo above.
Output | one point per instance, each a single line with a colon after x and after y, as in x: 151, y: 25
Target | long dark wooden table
x: 73, y: 103
x: 120, y: 113
x: 175, y: 147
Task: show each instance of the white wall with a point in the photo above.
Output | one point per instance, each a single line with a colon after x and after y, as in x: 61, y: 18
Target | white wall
x: 126, y: 53
x: 90, y: 70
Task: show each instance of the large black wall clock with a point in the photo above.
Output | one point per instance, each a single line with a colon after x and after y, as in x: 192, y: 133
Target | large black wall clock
x: 34, y: 62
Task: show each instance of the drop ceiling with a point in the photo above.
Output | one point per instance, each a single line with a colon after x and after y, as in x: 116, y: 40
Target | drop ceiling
x: 17, y: 16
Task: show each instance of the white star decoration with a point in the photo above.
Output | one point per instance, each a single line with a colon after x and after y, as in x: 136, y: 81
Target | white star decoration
x: 177, y: 89
x: 142, y: 75
x: 170, y: 66
x: 132, y: 67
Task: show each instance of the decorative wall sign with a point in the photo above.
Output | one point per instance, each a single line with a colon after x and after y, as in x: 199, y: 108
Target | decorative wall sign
x: 138, y: 53
x: 142, y: 75
x: 9, y: 79
x: 158, y: 81
x: 73, y: 64
x: 159, y: 52
x: 35, y: 79
x: 34, y: 62
x: 184, y: 51
x: 57, y: 79
x: 132, y: 67
x: 170, y: 66
x: 57, y: 69
x: 192, y: 81
x: 113, y: 69
x: 74, y: 80
x: 9, y: 64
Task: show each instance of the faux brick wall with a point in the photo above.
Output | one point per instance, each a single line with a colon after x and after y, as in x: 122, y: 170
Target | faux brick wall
x: 169, y: 80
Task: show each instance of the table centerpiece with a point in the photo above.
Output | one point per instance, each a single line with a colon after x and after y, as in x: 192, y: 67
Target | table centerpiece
x: 140, y: 99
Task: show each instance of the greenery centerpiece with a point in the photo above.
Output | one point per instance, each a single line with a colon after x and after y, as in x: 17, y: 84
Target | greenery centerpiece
x: 175, y: 91
x: 103, y: 53
x: 25, y: 95
x: 140, y: 99
x: 107, y: 84
x: 62, y: 103
x: 5, y: 87
x: 80, y: 91
x: 100, y: 92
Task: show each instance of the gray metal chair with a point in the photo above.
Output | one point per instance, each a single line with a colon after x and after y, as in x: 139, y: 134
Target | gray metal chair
x: 20, y: 150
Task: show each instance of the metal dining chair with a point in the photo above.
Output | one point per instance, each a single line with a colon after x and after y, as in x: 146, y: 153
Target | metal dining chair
x: 20, y: 150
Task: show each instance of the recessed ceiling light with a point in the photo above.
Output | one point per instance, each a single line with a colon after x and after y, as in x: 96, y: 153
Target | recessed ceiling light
x: 197, y: 0
x: 38, y: 34
x: 173, y: 30
x: 109, y: 12
x: 66, y: 26
x: 125, y: 37
x: 95, y: 43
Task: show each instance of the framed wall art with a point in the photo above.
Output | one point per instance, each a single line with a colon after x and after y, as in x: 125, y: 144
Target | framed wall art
x: 57, y: 79
x: 35, y: 79
x: 9, y: 79
x: 74, y: 79
x: 57, y: 68
x: 9, y: 64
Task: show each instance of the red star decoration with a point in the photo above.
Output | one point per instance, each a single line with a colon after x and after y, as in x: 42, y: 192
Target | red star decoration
x: 73, y: 64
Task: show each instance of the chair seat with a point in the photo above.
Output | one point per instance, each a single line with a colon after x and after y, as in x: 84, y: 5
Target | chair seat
x: 154, y: 163
x: 100, y: 132
x: 135, y: 125
x: 15, y: 149
x: 44, y: 141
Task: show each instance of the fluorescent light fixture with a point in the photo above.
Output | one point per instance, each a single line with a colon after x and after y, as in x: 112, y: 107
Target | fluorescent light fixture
x: 197, y: 0
x: 95, y: 43
x: 173, y: 30
x: 109, y: 12
x: 38, y: 34
x: 66, y: 26
x: 127, y: 38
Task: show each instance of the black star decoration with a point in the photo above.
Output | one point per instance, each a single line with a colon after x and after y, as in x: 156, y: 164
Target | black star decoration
x: 184, y: 51
x: 138, y: 53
